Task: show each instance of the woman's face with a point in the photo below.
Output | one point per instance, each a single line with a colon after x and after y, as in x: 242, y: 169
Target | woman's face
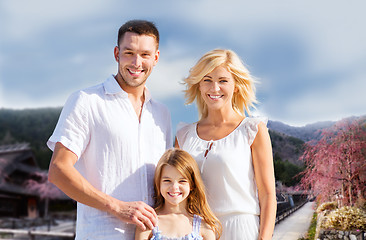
x: 217, y: 88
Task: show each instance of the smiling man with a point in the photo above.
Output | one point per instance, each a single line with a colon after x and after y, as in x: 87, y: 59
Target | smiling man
x: 108, y: 140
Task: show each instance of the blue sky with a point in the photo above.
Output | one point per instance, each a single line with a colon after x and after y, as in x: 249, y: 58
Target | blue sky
x: 309, y: 56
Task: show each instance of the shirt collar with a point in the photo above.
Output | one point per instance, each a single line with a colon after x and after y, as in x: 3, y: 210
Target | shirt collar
x: 111, y: 87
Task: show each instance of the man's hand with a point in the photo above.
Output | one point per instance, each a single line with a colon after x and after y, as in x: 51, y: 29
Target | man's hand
x: 138, y: 213
x: 63, y: 174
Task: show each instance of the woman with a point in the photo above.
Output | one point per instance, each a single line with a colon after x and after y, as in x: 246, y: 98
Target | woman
x: 233, y: 151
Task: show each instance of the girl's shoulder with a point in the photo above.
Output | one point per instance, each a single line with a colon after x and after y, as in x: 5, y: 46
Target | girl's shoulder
x: 206, y: 231
x: 142, y: 235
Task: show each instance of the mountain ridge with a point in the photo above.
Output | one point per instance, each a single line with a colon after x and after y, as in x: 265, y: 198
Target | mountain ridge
x: 36, y: 125
x: 311, y: 131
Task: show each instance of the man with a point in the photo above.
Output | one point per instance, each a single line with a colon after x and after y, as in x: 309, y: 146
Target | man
x: 108, y: 140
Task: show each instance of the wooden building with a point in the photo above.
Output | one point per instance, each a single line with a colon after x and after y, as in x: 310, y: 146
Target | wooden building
x: 18, y: 166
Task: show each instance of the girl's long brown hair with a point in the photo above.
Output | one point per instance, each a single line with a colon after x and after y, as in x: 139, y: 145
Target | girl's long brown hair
x: 196, y: 200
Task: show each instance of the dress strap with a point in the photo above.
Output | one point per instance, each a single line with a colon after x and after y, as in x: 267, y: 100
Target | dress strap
x: 156, y: 234
x: 196, y: 224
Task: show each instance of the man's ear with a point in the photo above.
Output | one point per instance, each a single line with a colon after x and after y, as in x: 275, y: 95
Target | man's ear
x: 116, y: 53
x: 157, y: 55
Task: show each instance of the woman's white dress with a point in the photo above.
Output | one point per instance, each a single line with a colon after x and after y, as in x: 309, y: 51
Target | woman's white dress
x: 227, y: 171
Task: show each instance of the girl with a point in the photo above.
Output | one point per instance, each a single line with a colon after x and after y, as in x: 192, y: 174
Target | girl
x: 233, y: 151
x: 180, y: 201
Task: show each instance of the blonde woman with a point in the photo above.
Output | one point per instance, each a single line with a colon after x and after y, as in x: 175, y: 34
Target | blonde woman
x: 181, y: 204
x: 233, y: 151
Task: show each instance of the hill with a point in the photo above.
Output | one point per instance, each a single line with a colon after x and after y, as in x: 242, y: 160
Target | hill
x: 286, y: 148
x: 309, y: 131
x: 306, y: 133
x: 33, y: 126
x: 36, y: 125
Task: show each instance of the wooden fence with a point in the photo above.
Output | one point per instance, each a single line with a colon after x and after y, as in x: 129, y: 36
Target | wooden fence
x: 284, y: 213
x: 33, y: 233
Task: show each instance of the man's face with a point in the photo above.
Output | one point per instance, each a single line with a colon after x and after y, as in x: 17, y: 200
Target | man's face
x: 136, y: 56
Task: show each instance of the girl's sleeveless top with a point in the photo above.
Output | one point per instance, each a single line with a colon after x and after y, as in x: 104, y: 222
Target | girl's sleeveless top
x: 194, y: 235
x: 226, y: 166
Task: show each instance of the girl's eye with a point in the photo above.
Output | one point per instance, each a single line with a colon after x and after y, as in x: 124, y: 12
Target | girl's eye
x: 223, y: 81
x: 206, y: 80
x: 166, y: 180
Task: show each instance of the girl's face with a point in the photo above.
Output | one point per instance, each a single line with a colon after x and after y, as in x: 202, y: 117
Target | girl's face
x: 217, y: 88
x: 173, y: 186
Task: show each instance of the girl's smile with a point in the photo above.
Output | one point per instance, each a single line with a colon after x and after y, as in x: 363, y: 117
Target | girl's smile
x: 173, y: 186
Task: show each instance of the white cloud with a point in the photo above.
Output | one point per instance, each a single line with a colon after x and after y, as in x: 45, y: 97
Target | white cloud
x: 1, y: 96
x: 165, y: 80
x: 22, y: 19
x: 328, y: 35
x: 78, y: 59
x: 333, y: 102
x: 18, y: 100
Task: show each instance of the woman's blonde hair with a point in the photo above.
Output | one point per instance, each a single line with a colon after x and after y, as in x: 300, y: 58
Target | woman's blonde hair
x: 196, y: 200
x: 244, y: 97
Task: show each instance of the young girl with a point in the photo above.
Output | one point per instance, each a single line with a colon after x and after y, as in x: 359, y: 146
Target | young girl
x: 180, y: 201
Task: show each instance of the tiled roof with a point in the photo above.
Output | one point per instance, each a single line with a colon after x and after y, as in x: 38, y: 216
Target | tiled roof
x: 14, y: 147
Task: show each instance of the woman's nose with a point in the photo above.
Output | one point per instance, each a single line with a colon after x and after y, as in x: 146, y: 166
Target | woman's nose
x: 215, y: 86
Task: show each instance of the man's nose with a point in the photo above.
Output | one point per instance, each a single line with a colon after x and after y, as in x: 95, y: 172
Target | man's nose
x: 137, y: 61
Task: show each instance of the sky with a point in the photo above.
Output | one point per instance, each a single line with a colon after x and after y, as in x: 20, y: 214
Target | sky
x: 308, y: 56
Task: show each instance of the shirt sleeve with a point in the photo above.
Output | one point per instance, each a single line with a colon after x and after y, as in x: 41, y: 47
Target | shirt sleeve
x: 252, y: 128
x: 182, y: 131
x: 169, y: 134
x: 72, y: 127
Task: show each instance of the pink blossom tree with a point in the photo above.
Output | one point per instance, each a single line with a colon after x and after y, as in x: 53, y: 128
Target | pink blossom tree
x: 336, y: 164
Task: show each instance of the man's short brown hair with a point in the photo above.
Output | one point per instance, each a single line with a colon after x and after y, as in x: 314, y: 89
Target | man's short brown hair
x: 141, y: 27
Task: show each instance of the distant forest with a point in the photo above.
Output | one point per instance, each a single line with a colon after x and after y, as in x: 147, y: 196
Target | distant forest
x: 35, y: 126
